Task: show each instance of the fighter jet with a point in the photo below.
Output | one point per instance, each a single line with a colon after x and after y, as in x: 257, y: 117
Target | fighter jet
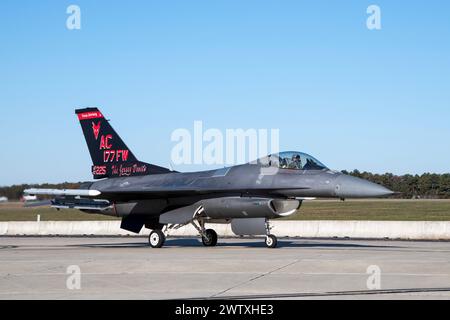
x: 246, y: 196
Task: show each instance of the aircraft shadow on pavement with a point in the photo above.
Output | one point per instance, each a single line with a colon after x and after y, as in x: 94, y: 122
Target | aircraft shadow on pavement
x: 8, y: 247
x: 251, y: 243
x: 115, y: 245
x: 298, y: 244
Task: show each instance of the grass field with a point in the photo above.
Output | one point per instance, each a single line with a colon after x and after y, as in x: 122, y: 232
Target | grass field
x: 377, y: 210
x: 16, y: 212
x: 388, y: 210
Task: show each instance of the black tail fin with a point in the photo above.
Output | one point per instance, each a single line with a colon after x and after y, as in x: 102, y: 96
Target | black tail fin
x: 110, y: 156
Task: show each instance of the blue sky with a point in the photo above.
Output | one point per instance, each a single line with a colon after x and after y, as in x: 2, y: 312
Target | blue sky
x: 354, y: 98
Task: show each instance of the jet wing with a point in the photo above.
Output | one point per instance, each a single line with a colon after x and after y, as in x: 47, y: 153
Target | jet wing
x: 136, y: 193
x: 176, y: 191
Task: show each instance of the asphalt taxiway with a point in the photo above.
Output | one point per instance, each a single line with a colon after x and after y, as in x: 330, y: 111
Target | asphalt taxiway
x: 126, y: 268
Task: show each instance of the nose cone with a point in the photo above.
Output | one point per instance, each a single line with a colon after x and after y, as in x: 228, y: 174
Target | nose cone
x: 352, y: 187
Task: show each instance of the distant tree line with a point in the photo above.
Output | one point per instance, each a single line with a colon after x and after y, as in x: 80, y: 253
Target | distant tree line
x: 425, y: 186
x: 15, y: 192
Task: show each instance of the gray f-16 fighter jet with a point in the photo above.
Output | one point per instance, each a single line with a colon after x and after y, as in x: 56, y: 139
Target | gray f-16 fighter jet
x: 246, y: 196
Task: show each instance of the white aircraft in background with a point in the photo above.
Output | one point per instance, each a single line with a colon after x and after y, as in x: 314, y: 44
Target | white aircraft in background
x: 28, y: 198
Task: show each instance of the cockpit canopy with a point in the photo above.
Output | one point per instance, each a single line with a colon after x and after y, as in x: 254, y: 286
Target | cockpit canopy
x: 293, y: 160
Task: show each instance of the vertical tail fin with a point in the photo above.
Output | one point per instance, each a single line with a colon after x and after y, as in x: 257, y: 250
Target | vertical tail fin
x: 110, y: 155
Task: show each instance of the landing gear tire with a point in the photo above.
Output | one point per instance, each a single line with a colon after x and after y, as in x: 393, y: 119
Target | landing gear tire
x: 156, y: 239
x: 210, y: 238
x: 271, y: 241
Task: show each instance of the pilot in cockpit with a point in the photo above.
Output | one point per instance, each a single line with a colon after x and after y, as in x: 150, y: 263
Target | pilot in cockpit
x: 296, y: 162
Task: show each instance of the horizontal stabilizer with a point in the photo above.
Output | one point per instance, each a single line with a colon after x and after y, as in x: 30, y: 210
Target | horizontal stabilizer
x: 36, y: 204
x: 81, y: 204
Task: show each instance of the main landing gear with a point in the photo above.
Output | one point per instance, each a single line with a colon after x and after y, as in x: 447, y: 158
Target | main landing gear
x: 157, y: 239
x: 209, y: 236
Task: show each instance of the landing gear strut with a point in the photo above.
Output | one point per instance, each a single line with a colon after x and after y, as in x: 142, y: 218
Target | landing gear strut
x: 156, y: 239
x: 271, y: 240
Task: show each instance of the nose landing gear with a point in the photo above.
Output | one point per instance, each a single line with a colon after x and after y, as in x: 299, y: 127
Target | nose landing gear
x: 271, y: 240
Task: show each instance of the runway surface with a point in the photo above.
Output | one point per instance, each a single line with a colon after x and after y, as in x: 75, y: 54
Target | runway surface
x: 126, y: 268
